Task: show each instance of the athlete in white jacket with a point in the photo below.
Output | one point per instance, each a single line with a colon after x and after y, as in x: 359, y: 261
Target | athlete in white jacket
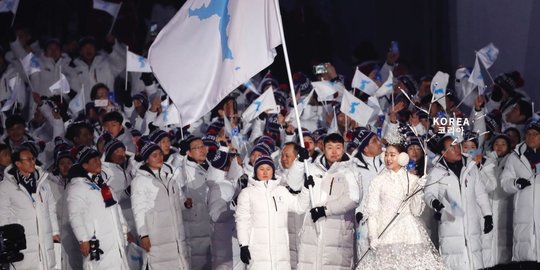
x: 336, y: 195
x: 94, y: 214
x: 455, y: 192
x: 26, y: 199
x: 520, y: 178
x: 156, y: 200
x: 261, y: 218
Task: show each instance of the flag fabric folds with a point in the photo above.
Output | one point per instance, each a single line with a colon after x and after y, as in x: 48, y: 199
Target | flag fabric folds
x: 476, y: 77
x: 30, y: 64
x: 16, y: 86
x: 211, y: 47
x: 62, y: 84
x: 488, y: 55
x: 264, y: 103
x: 355, y: 109
x: 137, y: 63
x: 109, y: 7
x: 438, y: 88
x: 325, y: 90
x: 387, y: 87
x: 363, y: 83
x: 77, y: 104
x: 9, y: 6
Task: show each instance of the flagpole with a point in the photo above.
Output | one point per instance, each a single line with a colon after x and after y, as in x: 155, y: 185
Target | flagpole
x: 127, y: 52
x: 14, y: 14
x: 60, y: 78
x: 114, y: 18
x: 293, y: 96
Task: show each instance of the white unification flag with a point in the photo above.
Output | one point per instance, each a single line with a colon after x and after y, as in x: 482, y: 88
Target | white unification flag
x: 169, y: 115
x: 211, y: 47
x: 77, y: 104
x: 355, y: 109
x: 438, y: 87
x: 30, y: 64
x: 136, y: 63
x: 62, y: 84
x: 363, y: 83
x: 463, y: 87
x: 387, y: 87
x: 16, y: 86
x: 476, y: 77
x: 9, y: 6
x: 325, y: 90
x: 109, y: 7
x: 488, y: 55
x: 264, y: 103
x: 300, y: 106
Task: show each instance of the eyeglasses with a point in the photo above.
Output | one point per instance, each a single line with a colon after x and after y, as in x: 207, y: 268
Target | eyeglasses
x: 198, y: 147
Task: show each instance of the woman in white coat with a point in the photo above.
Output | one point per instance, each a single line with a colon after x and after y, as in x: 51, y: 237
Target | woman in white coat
x: 26, y: 199
x: 94, y: 213
x: 261, y: 218
x: 497, y: 246
x: 394, y: 205
x: 156, y: 200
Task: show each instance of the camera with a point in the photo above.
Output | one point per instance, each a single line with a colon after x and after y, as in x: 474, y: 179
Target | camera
x: 12, y: 241
x: 319, y: 69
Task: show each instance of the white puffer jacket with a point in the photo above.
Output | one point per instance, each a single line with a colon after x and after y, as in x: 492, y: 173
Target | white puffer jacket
x: 497, y: 246
x: 196, y: 219
x: 89, y: 216
x: 337, y: 189
x: 71, y: 254
x: 221, y: 207
x: 156, y: 199
x: 103, y: 69
x: 120, y: 184
x: 293, y: 179
x: 526, y: 218
x: 261, y: 221
x: 50, y: 73
x: 465, y: 198
x: 36, y: 213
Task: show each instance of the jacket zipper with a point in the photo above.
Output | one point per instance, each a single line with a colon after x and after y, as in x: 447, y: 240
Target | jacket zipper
x: 275, y: 204
x: 331, y: 185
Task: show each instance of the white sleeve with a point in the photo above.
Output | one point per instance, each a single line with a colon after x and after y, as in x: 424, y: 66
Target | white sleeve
x: 243, y: 217
x: 76, y: 202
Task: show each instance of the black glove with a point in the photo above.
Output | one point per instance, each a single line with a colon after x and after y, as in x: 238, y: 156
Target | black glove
x: 245, y: 256
x: 308, y: 181
x: 437, y: 205
x: 488, y: 224
x: 147, y: 78
x: 303, y: 154
x: 522, y: 183
x: 317, y: 212
x: 243, y: 181
x: 263, y: 116
x: 359, y: 217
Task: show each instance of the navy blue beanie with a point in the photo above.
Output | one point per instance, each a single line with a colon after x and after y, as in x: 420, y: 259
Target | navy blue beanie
x: 264, y: 160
